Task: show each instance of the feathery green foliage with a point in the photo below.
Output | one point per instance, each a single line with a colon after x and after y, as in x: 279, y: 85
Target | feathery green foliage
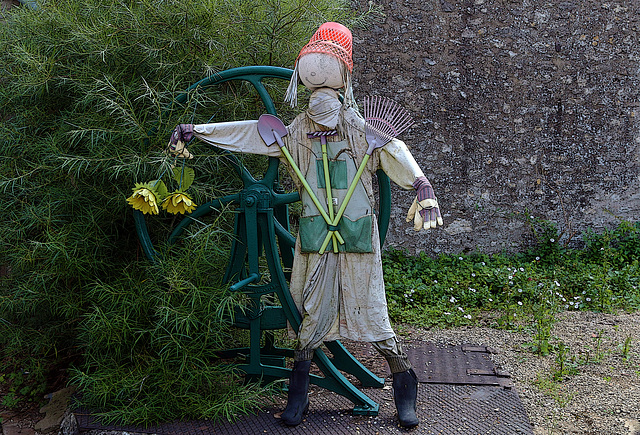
x: 85, y: 87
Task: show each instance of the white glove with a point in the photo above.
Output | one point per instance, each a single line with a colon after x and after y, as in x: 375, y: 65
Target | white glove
x: 179, y: 150
x: 425, y: 214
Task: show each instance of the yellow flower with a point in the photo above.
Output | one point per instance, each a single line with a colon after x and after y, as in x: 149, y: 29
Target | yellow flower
x: 178, y: 202
x: 144, y: 199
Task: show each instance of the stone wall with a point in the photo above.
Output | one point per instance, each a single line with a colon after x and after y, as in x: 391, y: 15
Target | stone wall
x: 522, y: 108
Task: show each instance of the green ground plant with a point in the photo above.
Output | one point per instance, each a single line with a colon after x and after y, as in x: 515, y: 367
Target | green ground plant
x: 554, y: 390
x: 625, y: 348
x: 524, y: 291
x: 602, y: 275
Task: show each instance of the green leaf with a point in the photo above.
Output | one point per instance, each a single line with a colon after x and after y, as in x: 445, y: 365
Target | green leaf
x: 160, y: 189
x: 184, y: 176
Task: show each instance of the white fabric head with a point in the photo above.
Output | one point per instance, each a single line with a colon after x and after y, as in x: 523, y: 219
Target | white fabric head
x: 324, y: 107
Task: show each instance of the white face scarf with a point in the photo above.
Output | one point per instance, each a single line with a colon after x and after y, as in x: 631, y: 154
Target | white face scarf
x: 324, y: 107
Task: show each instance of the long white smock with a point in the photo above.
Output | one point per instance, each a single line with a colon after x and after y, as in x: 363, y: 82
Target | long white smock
x: 338, y: 294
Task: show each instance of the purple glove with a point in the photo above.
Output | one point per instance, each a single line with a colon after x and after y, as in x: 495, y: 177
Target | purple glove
x: 424, y: 211
x: 182, y: 134
x: 424, y: 190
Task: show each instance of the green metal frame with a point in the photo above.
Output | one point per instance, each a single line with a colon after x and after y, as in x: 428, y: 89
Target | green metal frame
x: 262, y: 229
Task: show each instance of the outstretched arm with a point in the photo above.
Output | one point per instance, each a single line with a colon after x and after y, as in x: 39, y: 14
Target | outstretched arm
x: 398, y: 163
x: 239, y: 136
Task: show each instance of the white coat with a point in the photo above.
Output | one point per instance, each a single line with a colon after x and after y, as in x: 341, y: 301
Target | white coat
x: 338, y: 294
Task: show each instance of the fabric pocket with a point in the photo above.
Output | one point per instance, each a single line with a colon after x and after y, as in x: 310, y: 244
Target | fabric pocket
x: 356, y: 234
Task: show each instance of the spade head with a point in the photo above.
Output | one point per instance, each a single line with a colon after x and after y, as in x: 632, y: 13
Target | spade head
x: 271, y: 129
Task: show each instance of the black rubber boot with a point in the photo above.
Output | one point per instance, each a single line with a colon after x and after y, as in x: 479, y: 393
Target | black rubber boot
x: 298, y: 397
x: 405, y: 394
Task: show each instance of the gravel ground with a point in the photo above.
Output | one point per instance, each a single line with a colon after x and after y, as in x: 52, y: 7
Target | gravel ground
x: 603, y: 397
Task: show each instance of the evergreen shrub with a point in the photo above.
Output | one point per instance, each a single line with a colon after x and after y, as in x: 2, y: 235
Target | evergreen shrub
x: 85, y: 87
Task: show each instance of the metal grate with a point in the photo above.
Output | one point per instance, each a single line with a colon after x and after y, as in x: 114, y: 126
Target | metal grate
x: 464, y: 364
x: 442, y: 409
x: 460, y: 392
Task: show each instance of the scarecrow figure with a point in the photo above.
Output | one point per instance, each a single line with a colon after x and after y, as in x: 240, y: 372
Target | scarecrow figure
x: 338, y: 291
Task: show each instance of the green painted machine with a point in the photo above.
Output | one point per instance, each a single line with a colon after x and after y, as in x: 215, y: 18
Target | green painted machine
x: 262, y: 236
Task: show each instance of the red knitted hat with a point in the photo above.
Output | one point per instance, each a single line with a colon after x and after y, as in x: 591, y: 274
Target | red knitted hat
x: 334, y: 39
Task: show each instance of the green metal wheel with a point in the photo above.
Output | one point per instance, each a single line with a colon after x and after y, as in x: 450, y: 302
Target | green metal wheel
x: 262, y: 233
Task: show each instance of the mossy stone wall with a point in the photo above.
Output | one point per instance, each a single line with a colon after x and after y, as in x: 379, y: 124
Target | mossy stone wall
x: 522, y: 108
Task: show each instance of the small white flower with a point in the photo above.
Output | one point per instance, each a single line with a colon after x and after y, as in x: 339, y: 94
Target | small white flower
x: 552, y: 240
x: 435, y: 281
x: 483, y: 263
x: 519, y: 290
x: 537, y: 258
x: 522, y: 269
x: 510, y: 276
x: 446, y: 313
x: 519, y: 303
x: 459, y: 258
x: 556, y: 283
x: 473, y: 274
x: 452, y: 300
x: 570, y: 302
x: 588, y: 299
x: 467, y: 316
x: 461, y: 309
x: 490, y: 300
